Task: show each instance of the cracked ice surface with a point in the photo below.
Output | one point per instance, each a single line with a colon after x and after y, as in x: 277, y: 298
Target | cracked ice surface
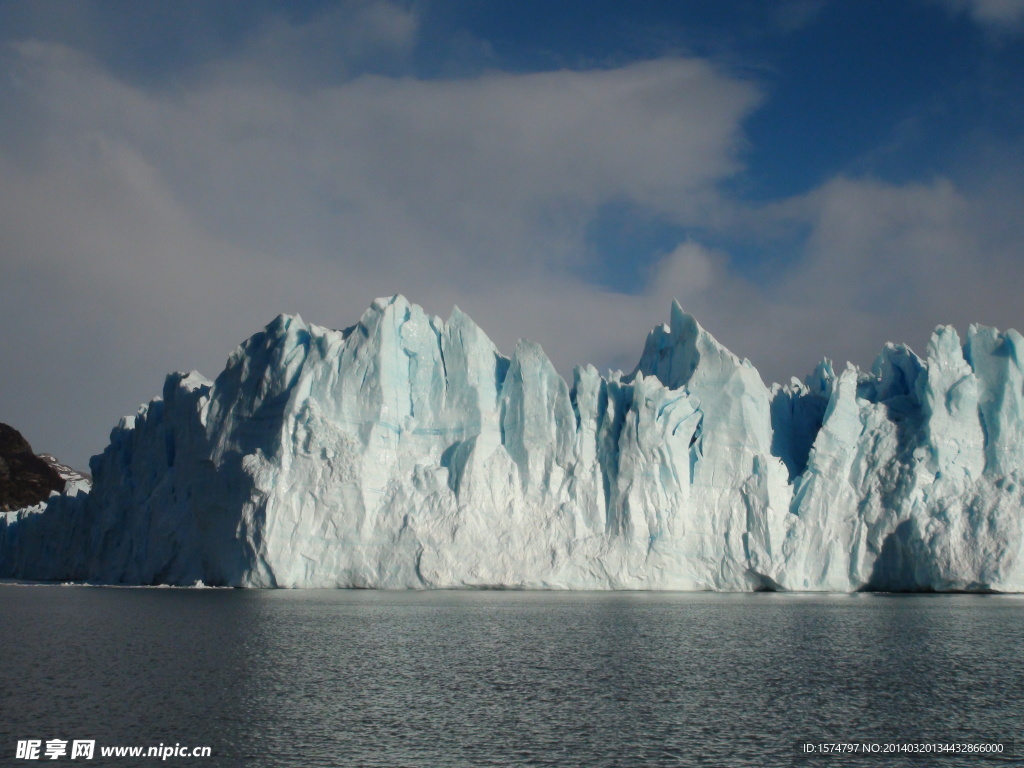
x: 408, y: 452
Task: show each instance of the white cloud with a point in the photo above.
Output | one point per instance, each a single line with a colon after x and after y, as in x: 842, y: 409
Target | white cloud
x: 794, y: 15
x: 880, y: 262
x: 155, y: 227
x: 149, y: 228
x: 687, y: 272
x: 998, y: 15
x: 359, y: 34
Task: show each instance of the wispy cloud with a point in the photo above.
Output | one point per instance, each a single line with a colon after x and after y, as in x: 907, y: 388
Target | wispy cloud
x: 794, y: 15
x: 997, y: 15
x: 358, y: 36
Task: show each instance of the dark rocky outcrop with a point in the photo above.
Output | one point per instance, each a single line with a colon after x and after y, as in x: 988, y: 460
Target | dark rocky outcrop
x: 25, y: 479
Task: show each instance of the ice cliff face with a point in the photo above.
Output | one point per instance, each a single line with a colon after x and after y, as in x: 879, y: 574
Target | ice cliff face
x: 408, y: 452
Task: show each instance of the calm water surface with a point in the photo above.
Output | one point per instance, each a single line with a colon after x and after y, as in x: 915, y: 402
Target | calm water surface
x: 341, y: 678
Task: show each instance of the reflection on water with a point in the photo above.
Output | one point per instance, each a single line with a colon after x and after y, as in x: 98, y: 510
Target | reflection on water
x: 506, y: 678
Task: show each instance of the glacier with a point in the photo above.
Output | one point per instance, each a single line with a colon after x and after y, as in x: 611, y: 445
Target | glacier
x: 408, y: 452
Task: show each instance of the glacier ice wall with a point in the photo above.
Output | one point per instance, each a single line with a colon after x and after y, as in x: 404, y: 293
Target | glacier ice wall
x: 407, y: 452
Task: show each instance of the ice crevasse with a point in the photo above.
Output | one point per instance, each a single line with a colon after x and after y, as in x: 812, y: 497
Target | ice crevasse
x: 408, y: 452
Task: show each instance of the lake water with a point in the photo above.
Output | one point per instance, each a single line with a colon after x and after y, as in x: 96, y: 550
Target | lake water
x: 431, y: 679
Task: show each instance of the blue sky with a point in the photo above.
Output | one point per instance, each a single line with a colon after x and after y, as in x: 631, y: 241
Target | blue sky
x: 808, y: 177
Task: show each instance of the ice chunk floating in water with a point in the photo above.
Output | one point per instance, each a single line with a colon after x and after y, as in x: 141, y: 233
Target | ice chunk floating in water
x: 408, y: 452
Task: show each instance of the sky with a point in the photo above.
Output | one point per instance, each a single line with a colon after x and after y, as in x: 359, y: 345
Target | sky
x: 809, y: 178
